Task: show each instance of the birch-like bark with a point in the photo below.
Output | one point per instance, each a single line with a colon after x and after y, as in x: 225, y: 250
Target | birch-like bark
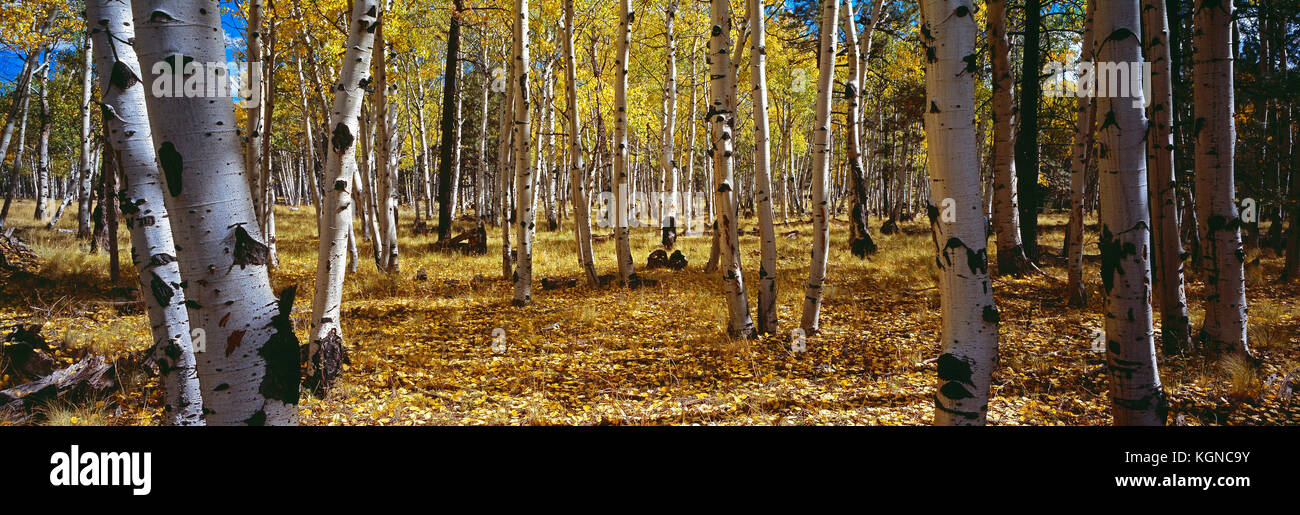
x: 620, y: 189
x: 505, y: 166
x: 692, y: 122
x: 1222, y: 255
x: 1167, y: 252
x: 1080, y: 160
x: 546, y: 147
x: 15, y: 171
x: 721, y: 112
x: 310, y: 145
x: 970, y: 317
x: 1136, y: 393
x: 821, y: 154
x: 250, y: 373
x: 143, y: 203
x: 253, y: 121
x: 1006, y: 215
x: 480, y: 178
x: 85, y: 172
x: 860, y: 242
x: 577, y: 174
x: 325, y: 347
x: 767, y: 321
x: 386, y: 158
x: 524, y: 187
x: 669, y: 221
x: 43, y: 141
x: 426, y: 185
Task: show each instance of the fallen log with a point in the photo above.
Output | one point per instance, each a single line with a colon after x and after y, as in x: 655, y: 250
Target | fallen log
x: 473, y: 241
x: 92, y: 374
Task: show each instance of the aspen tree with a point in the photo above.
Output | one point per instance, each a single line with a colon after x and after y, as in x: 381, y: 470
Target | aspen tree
x: 821, y: 157
x: 524, y: 181
x: 143, y: 202
x: 969, y: 332
x: 767, y: 321
x: 326, y: 350
x: 250, y: 373
x: 620, y: 189
x: 1136, y: 394
x: 577, y: 173
x: 1222, y: 256
x: 721, y: 114
x: 1167, y: 251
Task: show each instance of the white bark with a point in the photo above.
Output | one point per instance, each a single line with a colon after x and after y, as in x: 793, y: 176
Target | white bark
x: 668, y: 143
x: 1006, y: 213
x: 43, y: 142
x: 821, y: 154
x: 340, y: 174
x: 1167, y: 262
x: 1222, y: 255
x: 620, y: 187
x: 1080, y: 160
x: 1125, y: 229
x: 253, y: 122
x: 387, y: 159
x: 767, y: 321
x: 524, y: 187
x: 577, y: 174
x: 480, y: 178
x: 504, y: 166
x: 249, y: 375
x: 721, y: 113
x: 153, y: 252
x: 969, y: 331
x: 85, y: 172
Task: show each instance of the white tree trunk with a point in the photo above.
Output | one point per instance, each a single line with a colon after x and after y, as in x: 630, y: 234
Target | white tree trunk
x: 253, y: 121
x: 504, y: 166
x: 821, y: 154
x: 153, y: 252
x: 1167, y: 262
x: 721, y: 112
x: 1137, y: 396
x: 577, y: 173
x: 620, y: 187
x: 767, y: 321
x: 1222, y: 256
x: 85, y: 172
x: 480, y: 178
x: 250, y: 373
x: 43, y: 142
x: 387, y: 159
x: 1006, y: 213
x: 669, y: 214
x: 521, y: 138
x: 325, y: 347
x: 1080, y: 160
x: 970, y: 318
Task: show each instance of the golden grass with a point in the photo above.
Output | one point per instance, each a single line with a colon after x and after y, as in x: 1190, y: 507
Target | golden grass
x: 659, y: 355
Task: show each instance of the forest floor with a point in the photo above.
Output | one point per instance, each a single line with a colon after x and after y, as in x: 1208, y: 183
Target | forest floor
x: 421, y: 348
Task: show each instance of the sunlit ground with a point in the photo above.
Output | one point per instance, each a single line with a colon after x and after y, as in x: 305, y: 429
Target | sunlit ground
x: 421, y: 349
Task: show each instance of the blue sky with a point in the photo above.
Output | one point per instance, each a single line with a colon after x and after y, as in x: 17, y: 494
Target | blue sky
x: 11, y: 63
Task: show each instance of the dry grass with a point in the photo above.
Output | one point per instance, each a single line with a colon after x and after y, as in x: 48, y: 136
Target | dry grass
x: 659, y: 355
